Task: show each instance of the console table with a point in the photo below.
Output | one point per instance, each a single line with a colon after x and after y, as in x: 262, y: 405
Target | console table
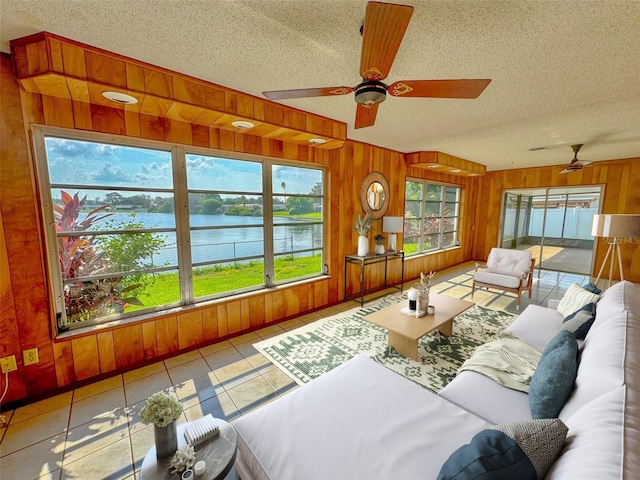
x: 363, y: 263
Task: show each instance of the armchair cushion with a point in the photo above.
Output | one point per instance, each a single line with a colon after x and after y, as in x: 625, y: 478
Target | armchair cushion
x: 506, y: 261
x: 497, y: 279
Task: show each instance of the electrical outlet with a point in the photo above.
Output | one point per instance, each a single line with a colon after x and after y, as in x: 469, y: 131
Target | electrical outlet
x: 8, y: 364
x: 30, y: 356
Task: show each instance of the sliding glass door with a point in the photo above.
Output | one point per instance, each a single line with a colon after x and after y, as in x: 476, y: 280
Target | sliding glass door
x: 554, y: 224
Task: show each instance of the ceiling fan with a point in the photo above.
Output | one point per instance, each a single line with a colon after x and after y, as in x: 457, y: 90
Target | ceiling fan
x: 575, y: 163
x: 382, y: 32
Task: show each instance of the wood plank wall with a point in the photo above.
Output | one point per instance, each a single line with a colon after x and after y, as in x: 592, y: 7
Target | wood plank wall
x: 621, y: 195
x: 27, y: 319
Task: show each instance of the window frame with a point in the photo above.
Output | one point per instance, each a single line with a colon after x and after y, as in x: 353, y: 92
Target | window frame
x: 442, y: 202
x: 183, y: 228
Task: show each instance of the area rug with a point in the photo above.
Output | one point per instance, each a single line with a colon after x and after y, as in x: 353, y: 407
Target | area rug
x: 316, y: 348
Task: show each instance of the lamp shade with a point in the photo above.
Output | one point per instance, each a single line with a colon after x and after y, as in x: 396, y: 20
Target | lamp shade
x: 392, y: 224
x: 617, y: 226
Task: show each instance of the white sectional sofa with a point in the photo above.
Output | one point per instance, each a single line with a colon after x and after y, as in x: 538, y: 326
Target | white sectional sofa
x: 362, y: 421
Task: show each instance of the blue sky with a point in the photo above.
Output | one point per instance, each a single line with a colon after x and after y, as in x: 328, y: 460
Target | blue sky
x: 87, y: 163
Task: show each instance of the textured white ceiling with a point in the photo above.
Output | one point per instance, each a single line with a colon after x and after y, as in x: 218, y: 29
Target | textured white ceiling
x: 564, y: 71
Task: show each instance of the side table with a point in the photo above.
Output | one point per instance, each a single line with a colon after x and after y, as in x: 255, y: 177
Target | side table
x: 218, y: 453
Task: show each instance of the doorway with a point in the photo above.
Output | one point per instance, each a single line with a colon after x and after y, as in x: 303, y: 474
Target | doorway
x: 554, y: 224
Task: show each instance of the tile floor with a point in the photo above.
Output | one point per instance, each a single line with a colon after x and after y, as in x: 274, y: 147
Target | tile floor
x: 94, y: 432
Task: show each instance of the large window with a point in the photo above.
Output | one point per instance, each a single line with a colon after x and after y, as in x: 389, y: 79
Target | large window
x: 431, y: 217
x: 134, y: 227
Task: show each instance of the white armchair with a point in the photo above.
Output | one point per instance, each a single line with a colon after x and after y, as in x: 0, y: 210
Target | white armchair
x: 506, y: 269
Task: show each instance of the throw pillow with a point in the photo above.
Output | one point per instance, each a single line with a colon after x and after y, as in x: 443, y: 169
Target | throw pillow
x: 590, y: 287
x: 553, y: 380
x: 574, y: 298
x: 523, y: 450
x: 580, y: 322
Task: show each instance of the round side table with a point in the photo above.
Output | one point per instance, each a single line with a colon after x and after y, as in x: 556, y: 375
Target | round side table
x: 218, y: 453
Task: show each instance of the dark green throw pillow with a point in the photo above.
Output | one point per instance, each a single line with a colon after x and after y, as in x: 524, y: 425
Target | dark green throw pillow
x: 522, y: 450
x: 580, y: 321
x: 553, y: 380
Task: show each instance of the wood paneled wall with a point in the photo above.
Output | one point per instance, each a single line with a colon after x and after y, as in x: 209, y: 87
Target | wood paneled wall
x: 27, y: 318
x: 621, y: 179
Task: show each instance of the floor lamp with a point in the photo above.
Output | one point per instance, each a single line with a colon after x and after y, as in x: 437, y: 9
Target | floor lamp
x: 616, y: 227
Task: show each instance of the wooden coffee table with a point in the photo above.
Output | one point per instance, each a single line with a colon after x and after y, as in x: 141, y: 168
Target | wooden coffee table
x: 405, y: 330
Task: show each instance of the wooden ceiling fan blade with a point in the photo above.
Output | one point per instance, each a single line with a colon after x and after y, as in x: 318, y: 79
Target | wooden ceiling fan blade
x: 384, y: 28
x: 307, y: 92
x: 438, y: 88
x: 366, y: 116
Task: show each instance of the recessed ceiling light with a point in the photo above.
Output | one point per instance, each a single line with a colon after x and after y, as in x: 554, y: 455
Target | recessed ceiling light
x: 456, y: 170
x: 120, y: 97
x: 317, y: 141
x: 242, y: 124
x: 433, y: 166
x: 473, y: 174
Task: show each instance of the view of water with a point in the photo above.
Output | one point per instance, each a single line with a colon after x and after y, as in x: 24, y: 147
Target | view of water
x: 218, y: 245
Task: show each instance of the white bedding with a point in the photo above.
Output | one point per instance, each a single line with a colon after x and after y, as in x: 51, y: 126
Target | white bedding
x: 346, y: 424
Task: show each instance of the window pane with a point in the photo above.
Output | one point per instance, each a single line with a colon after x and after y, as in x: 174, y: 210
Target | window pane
x: 413, y: 190
x: 451, y: 194
x: 222, y: 174
x: 295, y: 180
x: 450, y: 209
x: 214, y: 279
x: 450, y: 224
x: 412, y: 208
x: 75, y: 162
x: 287, y: 267
x: 430, y: 242
x: 296, y: 237
x: 432, y: 208
x: 226, y: 244
x: 449, y: 240
x: 434, y: 192
x: 214, y: 210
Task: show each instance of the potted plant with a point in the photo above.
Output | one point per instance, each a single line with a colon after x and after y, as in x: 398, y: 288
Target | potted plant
x: 163, y: 410
x: 379, y: 248
x: 362, y: 225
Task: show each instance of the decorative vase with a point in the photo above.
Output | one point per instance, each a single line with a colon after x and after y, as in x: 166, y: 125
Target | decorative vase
x: 378, y: 249
x: 166, y: 440
x: 363, y: 245
x: 424, y: 300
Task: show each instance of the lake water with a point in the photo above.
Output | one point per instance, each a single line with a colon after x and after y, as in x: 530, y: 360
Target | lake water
x: 242, y: 238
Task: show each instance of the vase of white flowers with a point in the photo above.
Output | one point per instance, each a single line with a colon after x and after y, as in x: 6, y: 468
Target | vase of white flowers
x: 362, y: 225
x: 163, y: 410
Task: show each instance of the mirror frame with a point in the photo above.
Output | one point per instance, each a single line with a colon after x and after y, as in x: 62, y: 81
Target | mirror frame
x: 368, y: 180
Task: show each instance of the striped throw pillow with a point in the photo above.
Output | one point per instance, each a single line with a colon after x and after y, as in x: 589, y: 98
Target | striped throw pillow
x: 575, y: 298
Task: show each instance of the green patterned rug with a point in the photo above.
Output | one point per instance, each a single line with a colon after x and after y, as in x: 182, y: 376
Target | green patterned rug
x: 316, y: 348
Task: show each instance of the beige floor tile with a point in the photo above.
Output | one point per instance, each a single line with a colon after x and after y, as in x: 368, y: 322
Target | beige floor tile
x: 143, y: 372
x: 112, y: 462
x: 216, y: 347
x: 235, y: 374
x: 22, y: 434
x: 278, y: 379
x: 42, y: 459
x: 109, y: 404
x: 247, y: 337
x: 251, y: 393
x: 147, y: 386
x: 247, y: 349
x: 259, y: 361
x: 98, y: 387
x: 43, y: 406
x: 95, y: 435
x: 188, y: 371
x: 141, y: 442
x: 220, y: 406
x: 289, y: 324
x: 268, y: 332
x: 182, y: 359
x: 223, y: 358
x: 135, y: 422
x: 197, y: 390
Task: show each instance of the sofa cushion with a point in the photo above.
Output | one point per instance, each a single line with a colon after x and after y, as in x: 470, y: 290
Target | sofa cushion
x: 554, y: 378
x: 580, y: 321
x: 487, y: 398
x: 536, y: 325
x: 616, y: 299
x: 523, y: 450
x: 596, y: 441
x: 575, y: 298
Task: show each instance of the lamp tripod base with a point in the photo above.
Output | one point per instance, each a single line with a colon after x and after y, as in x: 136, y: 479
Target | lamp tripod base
x: 613, y: 251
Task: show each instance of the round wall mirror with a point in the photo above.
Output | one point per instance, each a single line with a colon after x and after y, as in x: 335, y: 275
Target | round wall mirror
x: 374, y: 195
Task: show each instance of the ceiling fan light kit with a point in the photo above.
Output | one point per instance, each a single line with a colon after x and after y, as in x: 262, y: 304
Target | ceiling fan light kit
x: 384, y: 27
x: 575, y: 163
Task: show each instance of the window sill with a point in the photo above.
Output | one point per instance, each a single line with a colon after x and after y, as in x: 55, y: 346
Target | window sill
x: 115, y: 324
